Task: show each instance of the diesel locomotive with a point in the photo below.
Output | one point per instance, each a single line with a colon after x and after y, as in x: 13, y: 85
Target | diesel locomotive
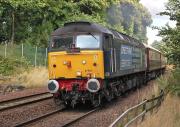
x: 88, y: 62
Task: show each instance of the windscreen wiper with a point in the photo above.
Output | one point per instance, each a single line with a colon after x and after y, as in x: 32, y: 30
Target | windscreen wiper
x: 93, y: 36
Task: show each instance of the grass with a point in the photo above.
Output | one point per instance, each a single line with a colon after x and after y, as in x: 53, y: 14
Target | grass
x: 171, y: 84
x: 167, y: 116
x: 29, y: 79
x: 35, y: 77
x: 18, y: 70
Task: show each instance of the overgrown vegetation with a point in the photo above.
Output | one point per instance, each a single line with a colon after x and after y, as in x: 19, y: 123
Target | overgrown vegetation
x: 171, y: 83
x: 12, y: 66
x: 32, y: 21
x: 168, y: 114
x: 35, y: 77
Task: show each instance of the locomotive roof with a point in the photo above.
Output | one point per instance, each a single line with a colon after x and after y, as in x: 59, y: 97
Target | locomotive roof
x: 84, y: 26
x: 81, y: 26
x: 127, y: 38
x: 150, y: 47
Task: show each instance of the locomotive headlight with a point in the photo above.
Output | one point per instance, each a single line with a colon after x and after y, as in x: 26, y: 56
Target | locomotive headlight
x: 83, y: 62
x: 93, y: 85
x: 53, y: 86
x: 78, y: 73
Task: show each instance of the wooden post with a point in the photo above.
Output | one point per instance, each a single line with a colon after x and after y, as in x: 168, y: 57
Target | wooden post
x: 143, y: 109
x: 152, y: 104
x: 135, y: 114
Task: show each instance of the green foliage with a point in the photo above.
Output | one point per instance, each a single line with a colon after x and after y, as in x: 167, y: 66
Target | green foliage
x: 132, y: 16
x: 156, y: 44
x: 172, y: 83
x: 12, y: 66
x: 34, y: 20
x: 171, y: 35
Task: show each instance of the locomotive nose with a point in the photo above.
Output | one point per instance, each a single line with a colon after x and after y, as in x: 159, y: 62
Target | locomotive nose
x: 53, y: 86
x: 93, y: 85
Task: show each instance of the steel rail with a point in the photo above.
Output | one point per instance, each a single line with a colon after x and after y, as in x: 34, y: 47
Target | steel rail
x: 16, y: 102
x: 38, y: 118
x: 19, y: 98
x: 79, y: 118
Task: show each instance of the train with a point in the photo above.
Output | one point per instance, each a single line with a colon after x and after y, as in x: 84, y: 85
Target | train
x: 88, y: 62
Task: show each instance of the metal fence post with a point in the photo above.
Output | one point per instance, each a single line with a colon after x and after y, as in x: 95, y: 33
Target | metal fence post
x: 5, y: 50
x: 22, y: 52
x: 35, y: 57
x: 46, y: 58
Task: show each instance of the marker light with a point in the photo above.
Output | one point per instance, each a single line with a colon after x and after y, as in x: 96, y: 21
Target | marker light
x: 83, y: 62
x: 78, y: 73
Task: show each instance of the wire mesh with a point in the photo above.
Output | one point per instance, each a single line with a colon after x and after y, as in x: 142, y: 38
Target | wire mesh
x: 36, y: 56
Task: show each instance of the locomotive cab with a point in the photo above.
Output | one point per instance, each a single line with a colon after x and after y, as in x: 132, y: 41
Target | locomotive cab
x: 76, y: 56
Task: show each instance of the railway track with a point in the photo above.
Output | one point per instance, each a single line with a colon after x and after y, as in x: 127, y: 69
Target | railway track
x: 39, y: 118
x: 79, y: 118
x: 13, y: 103
x: 65, y: 123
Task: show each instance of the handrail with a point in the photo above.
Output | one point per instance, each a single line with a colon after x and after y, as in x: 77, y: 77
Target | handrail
x: 144, y: 103
x: 135, y: 118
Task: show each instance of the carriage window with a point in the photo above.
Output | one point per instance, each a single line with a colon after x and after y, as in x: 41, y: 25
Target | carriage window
x: 88, y: 41
x: 61, y: 42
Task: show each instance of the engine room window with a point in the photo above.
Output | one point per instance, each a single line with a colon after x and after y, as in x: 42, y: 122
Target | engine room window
x: 88, y: 41
x: 62, y: 42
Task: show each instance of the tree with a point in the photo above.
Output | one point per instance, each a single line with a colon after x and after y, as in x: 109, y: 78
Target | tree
x: 171, y: 35
x: 131, y: 16
x: 32, y: 21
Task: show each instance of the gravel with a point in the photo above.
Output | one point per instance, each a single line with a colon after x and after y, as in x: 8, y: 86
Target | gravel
x: 11, y: 117
x: 58, y: 119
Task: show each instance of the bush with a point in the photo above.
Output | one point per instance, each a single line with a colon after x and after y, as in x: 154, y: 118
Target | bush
x: 12, y: 66
x: 171, y: 83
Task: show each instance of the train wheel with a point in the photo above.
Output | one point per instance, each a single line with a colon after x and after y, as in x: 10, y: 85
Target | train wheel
x: 117, y: 92
x: 96, y: 100
x: 108, y: 95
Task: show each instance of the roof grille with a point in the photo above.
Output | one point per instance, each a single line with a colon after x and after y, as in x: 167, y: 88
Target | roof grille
x: 77, y: 23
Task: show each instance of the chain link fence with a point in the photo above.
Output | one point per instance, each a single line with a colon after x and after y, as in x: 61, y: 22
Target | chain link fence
x: 36, y: 56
